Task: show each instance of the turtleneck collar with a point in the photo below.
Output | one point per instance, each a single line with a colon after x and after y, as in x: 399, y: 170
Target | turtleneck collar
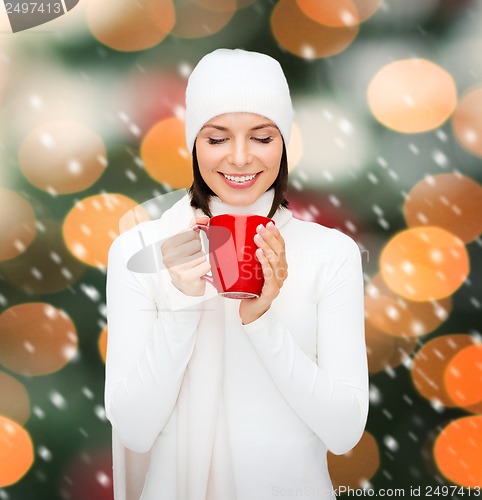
x: 261, y: 206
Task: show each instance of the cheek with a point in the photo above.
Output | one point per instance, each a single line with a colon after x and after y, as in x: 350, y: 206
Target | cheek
x: 275, y: 150
x: 273, y: 158
x: 207, y: 160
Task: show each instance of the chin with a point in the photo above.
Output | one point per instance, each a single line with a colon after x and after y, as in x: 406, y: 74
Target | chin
x: 241, y: 199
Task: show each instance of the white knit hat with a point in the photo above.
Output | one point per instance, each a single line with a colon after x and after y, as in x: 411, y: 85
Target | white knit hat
x: 229, y: 81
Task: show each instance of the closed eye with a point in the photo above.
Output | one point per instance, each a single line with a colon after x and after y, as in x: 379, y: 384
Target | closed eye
x: 264, y: 140
x: 215, y: 141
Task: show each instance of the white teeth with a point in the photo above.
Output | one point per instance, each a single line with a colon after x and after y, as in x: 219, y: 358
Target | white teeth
x: 244, y: 178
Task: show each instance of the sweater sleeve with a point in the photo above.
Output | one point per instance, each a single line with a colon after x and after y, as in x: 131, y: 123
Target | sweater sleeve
x: 331, y: 395
x: 147, y: 351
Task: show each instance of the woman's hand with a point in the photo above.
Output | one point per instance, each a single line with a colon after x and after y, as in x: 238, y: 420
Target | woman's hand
x: 271, y: 255
x: 185, y: 259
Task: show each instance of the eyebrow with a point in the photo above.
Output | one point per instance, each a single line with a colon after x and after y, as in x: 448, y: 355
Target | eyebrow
x: 257, y: 127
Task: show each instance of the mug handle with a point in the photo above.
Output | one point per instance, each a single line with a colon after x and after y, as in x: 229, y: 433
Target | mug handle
x: 205, y: 228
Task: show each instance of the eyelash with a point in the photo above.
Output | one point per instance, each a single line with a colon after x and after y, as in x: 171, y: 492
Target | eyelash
x: 264, y: 140
x: 215, y: 141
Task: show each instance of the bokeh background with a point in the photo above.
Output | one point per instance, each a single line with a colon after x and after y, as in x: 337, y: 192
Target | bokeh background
x: 387, y: 147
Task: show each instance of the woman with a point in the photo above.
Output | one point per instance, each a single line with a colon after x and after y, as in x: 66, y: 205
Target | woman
x: 223, y: 398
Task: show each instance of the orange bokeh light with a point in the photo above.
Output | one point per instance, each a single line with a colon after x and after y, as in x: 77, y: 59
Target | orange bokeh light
x: 335, y: 14
x: 245, y: 3
x: 451, y: 201
x: 412, y: 95
x: 17, y: 224
x: 426, y: 263
x: 200, y: 18
x: 463, y: 376
x: 467, y: 121
x: 16, y: 452
x: 359, y: 465
x: 62, y: 157
x: 102, y: 343
x: 36, y: 339
x: 306, y: 38
x: 402, y: 317
x: 14, y: 400
x: 130, y: 25
x: 46, y: 266
x: 458, y: 449
x: 431, y: 362
x: 93, y: 224
x: 340, y: 13
x: 165, y: 155
x: 384, y: 350
x: 379, y: 348
x: 389, y: 316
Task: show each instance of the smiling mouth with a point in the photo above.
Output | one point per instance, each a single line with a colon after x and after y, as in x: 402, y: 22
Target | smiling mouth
x: 240, y: 178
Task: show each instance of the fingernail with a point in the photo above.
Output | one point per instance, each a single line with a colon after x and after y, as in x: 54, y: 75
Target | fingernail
x: 258, y: 238
x: 270, y: 226
x: 261, y: 229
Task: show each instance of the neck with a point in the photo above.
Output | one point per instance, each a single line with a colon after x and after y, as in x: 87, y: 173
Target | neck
x: 261, y: 206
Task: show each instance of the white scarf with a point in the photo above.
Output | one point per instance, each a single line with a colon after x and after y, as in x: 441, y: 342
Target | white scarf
x: 204, y: 470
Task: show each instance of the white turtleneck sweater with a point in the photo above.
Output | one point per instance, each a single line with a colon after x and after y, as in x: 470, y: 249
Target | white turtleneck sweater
x: 295, y: 381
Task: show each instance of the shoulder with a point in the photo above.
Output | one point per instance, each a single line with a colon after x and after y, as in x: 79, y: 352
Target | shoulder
x: 331, y: 240
x: 144, y: 237
x: 132, y: 240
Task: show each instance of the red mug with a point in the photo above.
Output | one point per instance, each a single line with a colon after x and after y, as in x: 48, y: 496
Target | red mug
x: 236, y: 273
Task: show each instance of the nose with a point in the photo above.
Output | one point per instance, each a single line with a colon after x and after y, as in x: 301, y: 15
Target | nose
x: 240, y: 154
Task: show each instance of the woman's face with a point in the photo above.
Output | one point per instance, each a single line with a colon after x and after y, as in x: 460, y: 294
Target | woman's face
x: 239, y: 145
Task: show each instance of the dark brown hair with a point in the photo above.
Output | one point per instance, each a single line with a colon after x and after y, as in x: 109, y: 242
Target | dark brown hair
x: 201, y: 193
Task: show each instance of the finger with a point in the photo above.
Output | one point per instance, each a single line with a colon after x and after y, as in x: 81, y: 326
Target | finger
x: 203, y: 219
x: 184, y: 243
x: 186, y: 234
x: 271, y: 254
x: 263, y: 244
x: 187, y: 262
x: 200, y: 268
x: 278, y: 264
x: 268, y: 271
x: 270, y: 288
x: 273, y: 237
x: 272, y: 228
x: 263, y: 261
x: 181, y: 255
x: 190, y: 248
